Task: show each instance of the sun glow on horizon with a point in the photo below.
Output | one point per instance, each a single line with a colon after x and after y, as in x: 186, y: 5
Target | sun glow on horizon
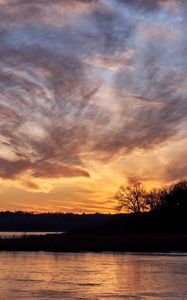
x: 92, y: 96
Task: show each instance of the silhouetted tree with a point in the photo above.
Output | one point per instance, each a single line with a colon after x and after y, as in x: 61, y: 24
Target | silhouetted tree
x: 153, y: 199
x: 156, y: 198
x: 177, y: 195
x: 131, y: 198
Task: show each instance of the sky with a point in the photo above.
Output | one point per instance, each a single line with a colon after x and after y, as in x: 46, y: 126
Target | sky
x: 92, y: 96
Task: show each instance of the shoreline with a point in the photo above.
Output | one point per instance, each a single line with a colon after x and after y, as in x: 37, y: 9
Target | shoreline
x: 97, y: 243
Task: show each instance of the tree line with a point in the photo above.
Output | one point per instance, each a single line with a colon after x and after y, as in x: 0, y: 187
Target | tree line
x: 136, y: 198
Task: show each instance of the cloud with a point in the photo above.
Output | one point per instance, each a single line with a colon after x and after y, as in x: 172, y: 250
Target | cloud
x: 51, y: 170
x: 9, y: 169
x: 12, y: 169
x: 84, y: 80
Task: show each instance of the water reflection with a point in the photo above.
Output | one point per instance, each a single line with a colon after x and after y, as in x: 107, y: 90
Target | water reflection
x: 92, y: 276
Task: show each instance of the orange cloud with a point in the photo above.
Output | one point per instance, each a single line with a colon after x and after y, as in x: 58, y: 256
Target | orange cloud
x: 92, y: 93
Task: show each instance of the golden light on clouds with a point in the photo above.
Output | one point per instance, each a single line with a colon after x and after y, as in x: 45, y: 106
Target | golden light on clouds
x: 92, y: 95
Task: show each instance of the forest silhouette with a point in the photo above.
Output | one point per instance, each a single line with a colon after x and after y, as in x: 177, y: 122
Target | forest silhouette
x: 134, y: 198
x: 154, y: 220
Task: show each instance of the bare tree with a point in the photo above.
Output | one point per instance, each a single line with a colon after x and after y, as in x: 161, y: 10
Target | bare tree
x: 131, y: 198
x: 154, y: 199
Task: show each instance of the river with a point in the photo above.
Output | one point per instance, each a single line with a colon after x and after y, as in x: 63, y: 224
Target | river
x: 39, y: 275
x: 12, y: 234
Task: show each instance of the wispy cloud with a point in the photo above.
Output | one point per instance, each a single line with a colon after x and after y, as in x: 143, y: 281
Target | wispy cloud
x: 85, y: 81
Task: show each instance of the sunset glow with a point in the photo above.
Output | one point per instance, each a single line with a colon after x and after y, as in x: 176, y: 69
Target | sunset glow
x: 92, y: 96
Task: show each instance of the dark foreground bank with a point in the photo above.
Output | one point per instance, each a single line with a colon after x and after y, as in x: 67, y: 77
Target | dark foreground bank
x: 97, y: 242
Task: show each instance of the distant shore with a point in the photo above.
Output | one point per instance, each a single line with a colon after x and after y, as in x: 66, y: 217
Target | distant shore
x: 97, y: 243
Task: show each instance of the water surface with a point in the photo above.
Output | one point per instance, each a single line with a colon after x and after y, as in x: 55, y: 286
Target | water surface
x: 10, y: 234
x: 92, y: 276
